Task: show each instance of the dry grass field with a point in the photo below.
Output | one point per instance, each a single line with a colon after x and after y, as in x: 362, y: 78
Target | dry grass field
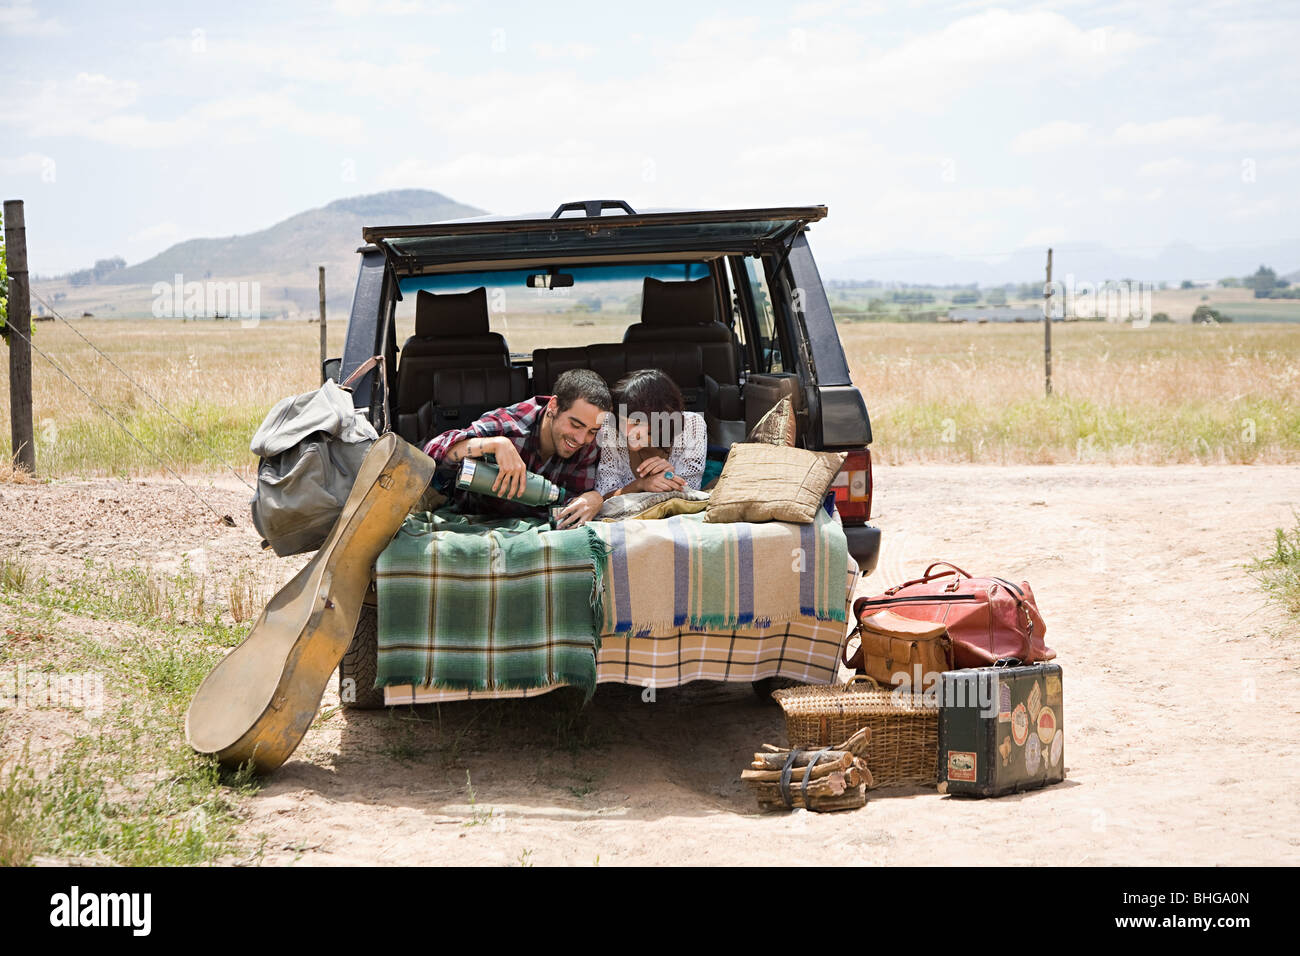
x: 936, y: 392
x: 1163, y: 394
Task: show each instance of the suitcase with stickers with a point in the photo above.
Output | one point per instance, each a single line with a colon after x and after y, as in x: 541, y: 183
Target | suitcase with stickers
x: 1001, y: 729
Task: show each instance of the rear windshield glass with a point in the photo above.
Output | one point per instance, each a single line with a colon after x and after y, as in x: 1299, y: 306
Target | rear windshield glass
x: 598, y: 307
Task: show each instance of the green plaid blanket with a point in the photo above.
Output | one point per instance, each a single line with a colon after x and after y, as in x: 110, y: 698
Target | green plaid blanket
x: 473, y: 603
x: 685, y: 572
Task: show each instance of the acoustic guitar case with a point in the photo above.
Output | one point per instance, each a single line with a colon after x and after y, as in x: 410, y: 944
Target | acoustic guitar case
x: 257, y: 704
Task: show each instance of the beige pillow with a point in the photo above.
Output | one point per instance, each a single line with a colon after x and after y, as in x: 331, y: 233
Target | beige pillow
x: 777, y: 427
x: 763, y: 482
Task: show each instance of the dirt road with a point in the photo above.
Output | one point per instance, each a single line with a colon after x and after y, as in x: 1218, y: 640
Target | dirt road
x: 1182, y: 696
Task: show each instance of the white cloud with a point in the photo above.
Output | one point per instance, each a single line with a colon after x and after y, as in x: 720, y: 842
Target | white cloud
x: 18, y: 18
x: 998, y: 44
x: 1054, y: 135
x: 367, y: 8
x: 563, y: 51
x: 279, y: 111
x: 1210, y: 131
x: 95, y: 107
x: 1256, y: 209
x: 1166, y: 168
x: 25, y: 165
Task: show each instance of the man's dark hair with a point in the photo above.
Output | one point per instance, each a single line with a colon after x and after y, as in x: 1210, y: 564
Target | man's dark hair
x: 650, y: 391
x: 582, y: 383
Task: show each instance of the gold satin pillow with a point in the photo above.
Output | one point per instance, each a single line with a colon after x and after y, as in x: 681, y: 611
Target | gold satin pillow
x: 777, y: 427
x: 761, y: 482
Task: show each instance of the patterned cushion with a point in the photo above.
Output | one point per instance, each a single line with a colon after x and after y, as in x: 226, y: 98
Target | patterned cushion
x: 777, y: 427
x: 762, y: 482
x: 630, y: 505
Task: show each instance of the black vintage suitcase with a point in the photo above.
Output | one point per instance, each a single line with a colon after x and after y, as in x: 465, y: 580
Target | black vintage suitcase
x: 1001, y: 730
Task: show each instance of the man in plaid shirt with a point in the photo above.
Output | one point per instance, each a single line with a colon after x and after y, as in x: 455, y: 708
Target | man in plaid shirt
x: 549, y: 435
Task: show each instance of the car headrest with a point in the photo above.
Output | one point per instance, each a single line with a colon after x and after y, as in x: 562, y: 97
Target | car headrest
x: 678, y: 303
x: 451, y: 314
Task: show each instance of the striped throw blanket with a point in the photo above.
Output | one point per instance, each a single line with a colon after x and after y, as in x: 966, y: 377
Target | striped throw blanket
x: 487, y: 604
x: 683, y: 572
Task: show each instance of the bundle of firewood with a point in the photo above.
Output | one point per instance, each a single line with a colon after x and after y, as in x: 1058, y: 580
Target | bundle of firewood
x: 837, y: 781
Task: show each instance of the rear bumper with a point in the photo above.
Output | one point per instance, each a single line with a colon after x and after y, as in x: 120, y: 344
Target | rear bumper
x: 864, y: 545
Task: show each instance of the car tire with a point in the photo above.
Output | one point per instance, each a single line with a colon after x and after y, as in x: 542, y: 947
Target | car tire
x: 763, y: 688
x: 357, y: 670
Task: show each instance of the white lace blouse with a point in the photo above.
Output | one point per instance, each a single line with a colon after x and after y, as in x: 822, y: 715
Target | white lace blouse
x: 686, y: 457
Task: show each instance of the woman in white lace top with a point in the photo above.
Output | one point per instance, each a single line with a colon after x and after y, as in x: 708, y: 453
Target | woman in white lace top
x: 649, y: 442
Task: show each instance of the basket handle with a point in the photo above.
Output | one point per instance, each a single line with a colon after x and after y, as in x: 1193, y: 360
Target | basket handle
x: 864, y: 678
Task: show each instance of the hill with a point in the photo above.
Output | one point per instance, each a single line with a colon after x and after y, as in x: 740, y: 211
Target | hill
x: 296, y: 245
x: 282, y: 260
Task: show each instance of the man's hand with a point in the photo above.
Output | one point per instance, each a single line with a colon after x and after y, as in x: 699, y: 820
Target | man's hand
x: 580, y: 510
x: 512, y: 475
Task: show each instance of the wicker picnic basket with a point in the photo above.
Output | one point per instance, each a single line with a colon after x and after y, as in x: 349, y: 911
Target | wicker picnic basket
x: 904, y: 748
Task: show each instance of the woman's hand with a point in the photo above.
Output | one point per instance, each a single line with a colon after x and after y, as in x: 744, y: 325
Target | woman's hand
x: 512, y: 475
x: 580, y: 510
x: 652, y: 466
x: 665, y: 481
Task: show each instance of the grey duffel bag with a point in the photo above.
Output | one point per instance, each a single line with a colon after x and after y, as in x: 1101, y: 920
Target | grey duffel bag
x: 311, y: 447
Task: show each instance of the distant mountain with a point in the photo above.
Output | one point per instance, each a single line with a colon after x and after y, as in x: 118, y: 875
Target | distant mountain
x: 297, y: 245
x: 1093, y: 262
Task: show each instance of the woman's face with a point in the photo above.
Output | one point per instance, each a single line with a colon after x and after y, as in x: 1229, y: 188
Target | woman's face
x: 637, y: 431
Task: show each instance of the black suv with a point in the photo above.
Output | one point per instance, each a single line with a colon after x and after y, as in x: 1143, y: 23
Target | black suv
x: 727, y: 302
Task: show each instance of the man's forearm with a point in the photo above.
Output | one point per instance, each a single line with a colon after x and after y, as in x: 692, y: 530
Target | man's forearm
x: 473, y: 447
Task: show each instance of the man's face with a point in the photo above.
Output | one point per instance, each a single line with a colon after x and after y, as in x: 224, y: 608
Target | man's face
x: 575, y: 426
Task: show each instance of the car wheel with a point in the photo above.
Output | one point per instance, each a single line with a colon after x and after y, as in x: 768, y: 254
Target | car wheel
x: 763, y: 688
x: 357, y: 689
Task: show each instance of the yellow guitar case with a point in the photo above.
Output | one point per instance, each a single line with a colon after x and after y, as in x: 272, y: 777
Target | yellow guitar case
x: 257, y: 704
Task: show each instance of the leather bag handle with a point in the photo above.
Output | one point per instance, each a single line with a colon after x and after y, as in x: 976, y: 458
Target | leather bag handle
x: 927, y: 576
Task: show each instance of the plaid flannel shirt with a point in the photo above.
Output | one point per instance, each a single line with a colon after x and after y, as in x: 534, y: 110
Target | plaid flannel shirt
x: 521, y: 423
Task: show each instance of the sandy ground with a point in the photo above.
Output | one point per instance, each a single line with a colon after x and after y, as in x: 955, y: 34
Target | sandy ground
x: 1182, y: 695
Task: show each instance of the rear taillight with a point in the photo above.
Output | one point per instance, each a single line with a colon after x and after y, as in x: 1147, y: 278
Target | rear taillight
x: 853, y: 487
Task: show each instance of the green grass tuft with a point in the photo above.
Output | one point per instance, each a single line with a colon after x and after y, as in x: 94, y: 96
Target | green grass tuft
x: 1279, y: 571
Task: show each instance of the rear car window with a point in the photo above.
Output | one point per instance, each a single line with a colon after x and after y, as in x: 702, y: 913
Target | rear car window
x: 598, y: 307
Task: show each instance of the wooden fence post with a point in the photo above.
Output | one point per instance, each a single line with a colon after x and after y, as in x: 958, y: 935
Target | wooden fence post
x: 1047, y: 325
x: 324, y: 345
x: 22, y: 444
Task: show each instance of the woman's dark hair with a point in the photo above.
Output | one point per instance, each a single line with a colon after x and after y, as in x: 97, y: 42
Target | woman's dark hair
x: 652, y: 393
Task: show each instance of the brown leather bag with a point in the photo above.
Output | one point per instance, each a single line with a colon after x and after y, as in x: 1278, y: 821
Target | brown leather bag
x: 989, y: 619
x: 892, y: 645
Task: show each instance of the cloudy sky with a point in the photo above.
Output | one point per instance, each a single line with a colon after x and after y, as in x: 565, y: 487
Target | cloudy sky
x: 962, y: 128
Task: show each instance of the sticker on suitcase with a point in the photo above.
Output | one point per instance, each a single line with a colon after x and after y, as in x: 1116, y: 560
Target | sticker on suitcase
x: 1004, y: 751
x: 961, y: 765
x: 1033, y: 755
x: 1035, y: 700
x: 1019, y: 725
x: 1004, y: 701
x: 1046, y: 725
x: 1054, y: 689
x: 1058, y: 747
